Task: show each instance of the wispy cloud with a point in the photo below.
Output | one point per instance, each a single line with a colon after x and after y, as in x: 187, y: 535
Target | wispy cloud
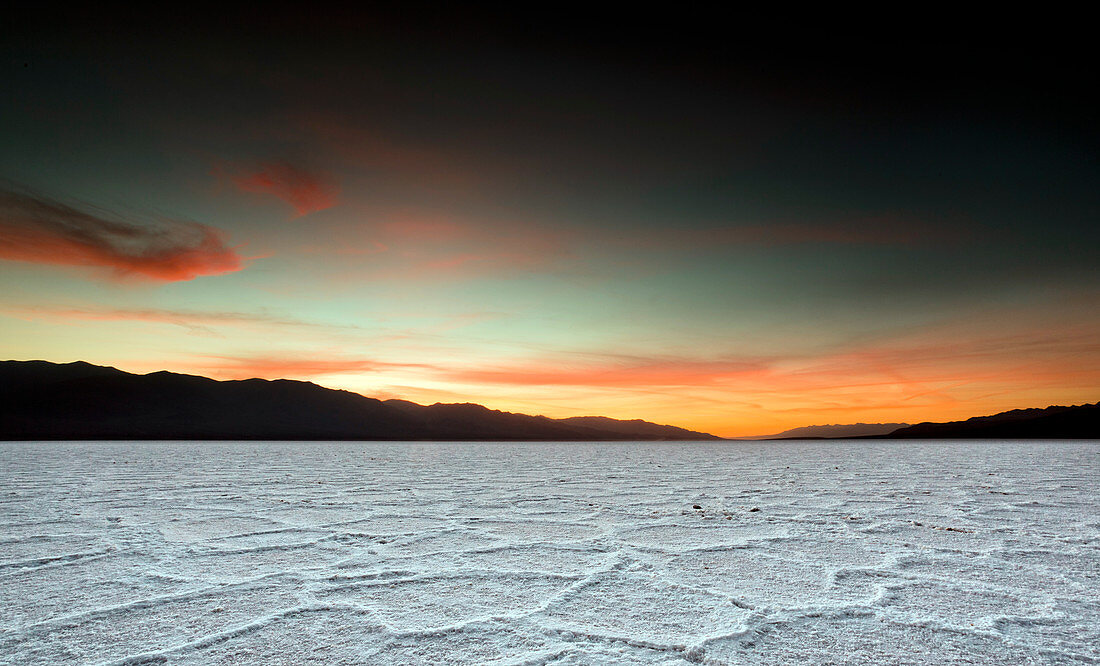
x: 385, y: 157
x: 409, y: 243
x: 38, y: 230
x: 885, y: 229
x: 936, y: 368
x: 881, y: 229
x: 306, y: 192
x: 614, y: 372
x: 194, y: 320
x: 305, y: 365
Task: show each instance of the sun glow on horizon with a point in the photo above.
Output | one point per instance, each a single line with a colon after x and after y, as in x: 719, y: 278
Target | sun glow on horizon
x: 733, y: 242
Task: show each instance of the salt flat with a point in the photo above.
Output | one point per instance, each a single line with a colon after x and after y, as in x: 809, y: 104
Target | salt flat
x: 875, y: 552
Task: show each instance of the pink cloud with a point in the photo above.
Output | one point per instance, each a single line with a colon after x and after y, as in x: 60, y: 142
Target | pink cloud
x: 411, y: 226
x: 46, y: 232
x: 304, y: 365
x: 305, y: 192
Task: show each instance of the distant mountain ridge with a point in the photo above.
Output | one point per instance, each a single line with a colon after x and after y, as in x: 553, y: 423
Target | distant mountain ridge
x: 836, y: 431
x: 43, y: 400
x: 1056, y: 422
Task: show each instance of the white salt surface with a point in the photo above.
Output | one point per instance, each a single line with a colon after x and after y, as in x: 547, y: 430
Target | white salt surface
x: 869, y: 552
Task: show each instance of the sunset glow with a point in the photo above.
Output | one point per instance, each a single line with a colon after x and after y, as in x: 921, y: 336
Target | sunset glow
x: 549, y: 228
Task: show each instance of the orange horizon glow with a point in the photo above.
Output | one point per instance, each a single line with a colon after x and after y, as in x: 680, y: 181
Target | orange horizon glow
x: 768, y: 414
x: 943, y: 374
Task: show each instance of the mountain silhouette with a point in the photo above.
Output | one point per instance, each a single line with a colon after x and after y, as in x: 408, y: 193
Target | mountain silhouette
x: 43, y: 400
x: 834, y: 431
x: 1074, y: 422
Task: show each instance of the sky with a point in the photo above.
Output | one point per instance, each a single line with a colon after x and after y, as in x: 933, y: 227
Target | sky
x: 662, y: 219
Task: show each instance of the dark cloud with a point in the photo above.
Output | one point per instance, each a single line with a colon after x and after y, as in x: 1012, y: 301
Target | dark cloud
x: 37, y: 230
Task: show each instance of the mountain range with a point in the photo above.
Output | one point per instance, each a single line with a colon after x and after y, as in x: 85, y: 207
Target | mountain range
x: 835, y: 431
x: 42, y: 400
x: 1074, y: 422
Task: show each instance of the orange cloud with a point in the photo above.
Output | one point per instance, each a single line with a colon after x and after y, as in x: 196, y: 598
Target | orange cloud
x: 36, y: 230
x: 305, y: 192
x: 304, y: 365
x: 942, y: 372
x: 637, y: 373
